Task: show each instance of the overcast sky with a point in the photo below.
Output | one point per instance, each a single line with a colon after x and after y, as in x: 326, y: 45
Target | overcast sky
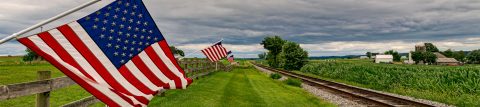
x: 323, y: 27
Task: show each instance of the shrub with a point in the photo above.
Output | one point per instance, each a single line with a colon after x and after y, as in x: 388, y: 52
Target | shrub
x: 275, y: 76
x: 311, y: 68
x: 294, y: 82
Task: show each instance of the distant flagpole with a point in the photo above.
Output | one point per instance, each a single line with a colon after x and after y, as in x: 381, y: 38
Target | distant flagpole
x: 68, y: 12
x: 180, y: 58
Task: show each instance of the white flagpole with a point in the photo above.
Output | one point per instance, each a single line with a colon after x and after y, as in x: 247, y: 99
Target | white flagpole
x: 48, y: 21
x: 180, y: 58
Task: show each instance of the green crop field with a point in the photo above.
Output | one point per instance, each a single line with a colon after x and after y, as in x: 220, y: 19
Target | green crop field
x: 458, y: 86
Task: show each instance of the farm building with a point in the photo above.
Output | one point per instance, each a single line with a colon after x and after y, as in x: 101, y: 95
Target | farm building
x: 443, y: 60
x: 383, y: 59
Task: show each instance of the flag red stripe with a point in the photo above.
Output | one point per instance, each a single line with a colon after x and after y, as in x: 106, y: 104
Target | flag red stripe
x: 211, y: 54
x: 224, y: 51
x: 78, y: 80
x: 147, y: 72
x: 208, y: 57
x: 163, y: 68
x: 139, y: 85
x: 92, y: 59
x: 220, y: 51
x: 165, y: 47
x: 215, y: 51
x: 212, y: 51
x: 64, y: 55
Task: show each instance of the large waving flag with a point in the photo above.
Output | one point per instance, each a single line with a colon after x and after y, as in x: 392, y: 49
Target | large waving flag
x: 215, y: 52
x: 116, y: 53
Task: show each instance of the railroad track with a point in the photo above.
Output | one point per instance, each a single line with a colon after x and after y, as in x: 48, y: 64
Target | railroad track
x: 359, y: 95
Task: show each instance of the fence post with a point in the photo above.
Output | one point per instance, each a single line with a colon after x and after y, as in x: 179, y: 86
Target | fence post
x: 185, y: 62
x: 43, y: 99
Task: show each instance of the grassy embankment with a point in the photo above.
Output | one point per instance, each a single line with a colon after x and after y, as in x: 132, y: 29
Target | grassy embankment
x: 458, y: 86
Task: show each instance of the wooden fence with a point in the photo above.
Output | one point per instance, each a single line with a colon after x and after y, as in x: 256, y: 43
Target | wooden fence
x: 194, y: 68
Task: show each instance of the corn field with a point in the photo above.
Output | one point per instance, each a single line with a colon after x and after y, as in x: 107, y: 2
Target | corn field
x: 458, y: 86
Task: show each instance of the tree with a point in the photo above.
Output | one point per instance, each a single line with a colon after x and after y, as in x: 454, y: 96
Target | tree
x: 448, y: 53
x: 396, y: 56
x: 426, y: 57
x: 262, y: 55
x: 30, y: 56
x: 274, y: 46
x: 459, y: 55
x: 430, y: 57
x: 292, y: 56
x: 431, y: 48
x: 177, y: 51
x: 474, y: 57
x: 417, y: 56
x: 369, y: 54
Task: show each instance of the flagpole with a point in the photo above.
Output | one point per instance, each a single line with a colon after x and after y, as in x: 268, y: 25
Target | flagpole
x: 68, y: 12
x: 180, y: 58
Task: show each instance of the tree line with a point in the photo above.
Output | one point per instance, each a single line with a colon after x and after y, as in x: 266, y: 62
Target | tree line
x: 283, y: 53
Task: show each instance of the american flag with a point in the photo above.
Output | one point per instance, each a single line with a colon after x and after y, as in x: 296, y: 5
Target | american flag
x: 215, y: 52
x: 231, y: 59
x: 116, y: 53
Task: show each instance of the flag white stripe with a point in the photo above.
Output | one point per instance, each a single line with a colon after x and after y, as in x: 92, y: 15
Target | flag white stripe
x: 214, y: 55
x: 138, y: 74
x: 104, y: 90
x: 77, y: 56
x: 220, y: 55
x: 93, y: 47
x: 206, y: 54
x: 219, y: 52
x: 210, y: 55
x: 157, y: 72
x: 214, y: 51
x: 224, y: 52
x: 169, y: 63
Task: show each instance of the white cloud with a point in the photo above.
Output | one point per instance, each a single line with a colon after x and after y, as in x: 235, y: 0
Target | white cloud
x: 12, y: 48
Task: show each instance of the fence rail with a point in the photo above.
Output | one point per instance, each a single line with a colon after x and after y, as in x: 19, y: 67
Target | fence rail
x: 194, y: 68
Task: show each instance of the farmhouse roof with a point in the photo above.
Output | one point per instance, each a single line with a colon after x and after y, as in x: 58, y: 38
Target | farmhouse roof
x: 439, y: 55
x: 447, y: 60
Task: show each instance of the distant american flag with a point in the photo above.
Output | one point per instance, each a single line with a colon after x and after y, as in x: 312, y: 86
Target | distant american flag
x: 231, y: 59
x: 116, y: 53
x: 215, y: 52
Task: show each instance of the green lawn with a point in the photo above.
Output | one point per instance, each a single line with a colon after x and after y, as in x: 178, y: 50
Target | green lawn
x: 241, y: 87
x: 13, y: 70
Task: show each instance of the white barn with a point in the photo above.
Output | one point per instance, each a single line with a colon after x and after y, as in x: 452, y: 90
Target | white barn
x: 383, y: 59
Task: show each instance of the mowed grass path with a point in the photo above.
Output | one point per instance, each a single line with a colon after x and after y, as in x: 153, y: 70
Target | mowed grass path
x: 241, y: 87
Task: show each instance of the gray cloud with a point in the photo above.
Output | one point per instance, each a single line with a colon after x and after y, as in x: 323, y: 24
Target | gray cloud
x: 247, y: 22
